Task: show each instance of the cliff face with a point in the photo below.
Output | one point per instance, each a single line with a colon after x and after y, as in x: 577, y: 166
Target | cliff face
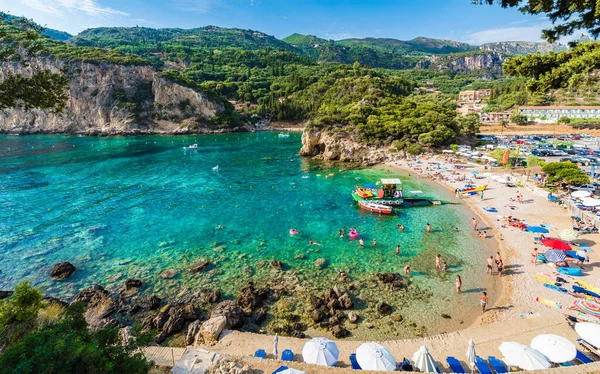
x: 335, y: 147
x: 112, y: 99
x: 522, y: 48
x: 489, y: 63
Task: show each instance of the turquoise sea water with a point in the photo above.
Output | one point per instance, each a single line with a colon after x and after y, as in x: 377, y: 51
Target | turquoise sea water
x: 124, y: 207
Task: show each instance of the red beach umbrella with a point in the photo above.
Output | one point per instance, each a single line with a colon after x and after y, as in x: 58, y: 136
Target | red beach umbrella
x: 505, y: 157
x: 557, y: 244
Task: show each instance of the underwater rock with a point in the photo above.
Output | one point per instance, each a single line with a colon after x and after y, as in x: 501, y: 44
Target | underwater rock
x: 447, y: 316
x: 320, y: 263
x: 345, y: 301
x: 192, y: 330
x: 300, y: 256
x: 168, y: 274
x: 211, y: 329
x: 352, y: 317
x: 154, y: 302
x: 340, y: 332
x: 62, y: 271
x: 132, y: 283
x: 397, y: 317
x: 198, y: 266
x: 232, y: 311
x: 247, y: 270
x: 276, y: 264
x: 387, y: 278
x: 53, y: 300
x: 5, y: 294
x: 384, y: 308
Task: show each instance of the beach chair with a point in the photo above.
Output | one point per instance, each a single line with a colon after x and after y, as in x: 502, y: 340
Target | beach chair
x: 280, y: 369
x: 581, y: 357
x: 482, y: 366
x: 497, y: 365
x: 455, y: 366
x: 261, y: 353
x: 287, y: 355
x: 355, y: 365
x: 405, y: 365
x: 589, y: 347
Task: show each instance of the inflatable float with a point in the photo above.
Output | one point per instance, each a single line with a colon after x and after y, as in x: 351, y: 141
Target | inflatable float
x: 353, y: 234
x: 575, y: 272
x: 293, y: 232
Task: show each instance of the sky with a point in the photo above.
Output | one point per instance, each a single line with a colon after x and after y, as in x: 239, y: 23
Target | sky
x: 330, y: 19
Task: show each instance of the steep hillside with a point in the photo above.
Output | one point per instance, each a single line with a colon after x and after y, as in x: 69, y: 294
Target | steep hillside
x: 522, y: 48
x: 482, y: 64
x: 420, y: 45
x: 57, y: 35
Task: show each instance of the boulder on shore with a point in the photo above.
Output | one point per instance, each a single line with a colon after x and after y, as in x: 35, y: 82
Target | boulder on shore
x: 99, y: 304
x: 154, y: 302
x: 384, y: 308
x: 211, y: 329
x: 230, y: 310
x: 192, y: 331
x: 62, y: 271
x: 352, y: 317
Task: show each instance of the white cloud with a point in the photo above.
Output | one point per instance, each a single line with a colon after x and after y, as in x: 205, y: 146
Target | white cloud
x: 197, y: 6
x: 337, y: 35
x: 59, y: 7
x: 523, y: 33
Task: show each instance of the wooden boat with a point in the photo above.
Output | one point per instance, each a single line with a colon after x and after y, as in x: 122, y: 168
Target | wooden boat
x: 375, y: 208
x: 473, y: 189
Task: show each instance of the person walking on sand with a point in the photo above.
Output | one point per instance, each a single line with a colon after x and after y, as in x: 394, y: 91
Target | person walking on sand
x: 361, y: 242
x: 474, y: 222
x: 483, y: 301
x: 498, y: 257
x: 398, y: 249
x: 500, y: 266
x: 407, y: 269
x: 428, y: 228
x: 458, y: 283
x: 534, y: 256
x: 490, y: 265
x: 481, y: 195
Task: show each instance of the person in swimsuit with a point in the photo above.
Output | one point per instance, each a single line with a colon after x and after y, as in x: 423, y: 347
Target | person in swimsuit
x: 500, y: 266
x: 400, y: 227
x: 407, y: 269
x: 374, y: 242
x: 361, y: 242
x: 398, y: 249
x: 498, y: 257
x: 445, y: 266
x: 438, y: 260
x: 534, y: 256
x: 490, y: 265
x: 474, y: 222
x: 483, y: 301
x: 458, y: 283
x: 428, y: 228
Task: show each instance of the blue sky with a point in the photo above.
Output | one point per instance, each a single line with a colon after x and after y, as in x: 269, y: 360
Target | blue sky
x: 330, y: 19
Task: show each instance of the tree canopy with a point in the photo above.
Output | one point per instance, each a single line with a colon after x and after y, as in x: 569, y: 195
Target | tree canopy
x: 567, y: 16
x: 565, y: 172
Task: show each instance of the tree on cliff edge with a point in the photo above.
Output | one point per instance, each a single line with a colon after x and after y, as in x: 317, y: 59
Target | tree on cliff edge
x: 21, y: 40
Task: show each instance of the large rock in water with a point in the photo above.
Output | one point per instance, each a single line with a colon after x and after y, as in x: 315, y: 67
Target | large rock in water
x: 132, y: 284
x: 211, y: 329
x: 250, y: 298
x: 5, y: 294
x: 99, y: 304
x: 198, y: 266
x: 62, y: 271
x: 177, y: 318
x: 230, y: 310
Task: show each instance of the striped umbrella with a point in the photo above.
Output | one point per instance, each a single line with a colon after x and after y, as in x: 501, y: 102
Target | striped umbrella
x: 568, y: 234
x: 555, y: 256
x: 587, y: 307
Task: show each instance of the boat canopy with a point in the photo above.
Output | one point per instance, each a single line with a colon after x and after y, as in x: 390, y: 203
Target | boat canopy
x: 391, y: 181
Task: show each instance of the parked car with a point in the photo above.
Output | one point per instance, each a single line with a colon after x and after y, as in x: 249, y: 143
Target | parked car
x: 586, y: 187
x: 566, y: 159
x: 575, y: 137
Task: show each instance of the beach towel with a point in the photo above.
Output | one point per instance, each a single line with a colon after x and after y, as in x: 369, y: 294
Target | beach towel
x: 491, y: 210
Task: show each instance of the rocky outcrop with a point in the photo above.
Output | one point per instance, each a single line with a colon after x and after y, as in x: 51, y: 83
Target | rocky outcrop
x: 98, y: 302
x: 211, y: 329
x: 62, y: 271
x: 522, y: 48
x: 106, y: 98
x: 487, y: 64
x: 5, y: 294
x: 340, y: 147
x: 232, y: 311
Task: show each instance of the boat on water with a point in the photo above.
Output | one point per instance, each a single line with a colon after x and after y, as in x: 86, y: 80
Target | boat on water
x: 389, y: 192
x: 284, y: 134
x: 375, y: 208
x: 472, y: 189
x: 193, y: 146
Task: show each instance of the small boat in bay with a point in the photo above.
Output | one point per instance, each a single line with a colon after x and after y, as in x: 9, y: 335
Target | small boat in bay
x: 193, y: 146
x: 375, y: 208
x: 284, y: 135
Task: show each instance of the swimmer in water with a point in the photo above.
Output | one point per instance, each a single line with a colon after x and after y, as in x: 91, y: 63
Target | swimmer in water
x: 407, y: 269
x: 445, y: 267
x: 374, y: 242
x: 361, y: 242
x: 400, y: 227
x: 219, y: 227
x: 398, y: 249
x: 312, y: 242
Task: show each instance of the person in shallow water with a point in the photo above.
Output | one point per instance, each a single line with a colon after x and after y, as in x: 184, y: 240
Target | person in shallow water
x: 400, y: 227
x: 374, y: 242
x: 361, y: 242
x: 398, y: 249
x: 445, y: 266
x: 458, y: 283
x: 428, y: 228
x: 438, y: 260
x: 483, y: 301
x: 312, y: 242
x: 407, y: 269
x: 474, y: 222
x: 490, y: 265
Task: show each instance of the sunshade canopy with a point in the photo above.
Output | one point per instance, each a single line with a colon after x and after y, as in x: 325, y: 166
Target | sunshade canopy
x: 556, y: 244
x: 391, y: 181
x: 555, y: 348
x: 580, y: 194
x: 320, y: 351
x: 424, y: 361
x: 373, y: 356
x: 527, y: 358
x: 587, y: 307
x: 590, y: 332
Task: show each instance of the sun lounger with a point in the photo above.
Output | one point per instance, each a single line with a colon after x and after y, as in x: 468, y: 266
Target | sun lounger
x: 455, y: 366
x: 581, y: 357
x: 261, y: 353
x: 405, y: 365
x: 497, y: 365
x: 287, y: 355
x: 280, y: 369
x: 355, y: 365
x: 589, y: 347
x: 482, y: 366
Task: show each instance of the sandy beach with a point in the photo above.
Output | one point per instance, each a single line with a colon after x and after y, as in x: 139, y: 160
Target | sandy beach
x: 514, y: 313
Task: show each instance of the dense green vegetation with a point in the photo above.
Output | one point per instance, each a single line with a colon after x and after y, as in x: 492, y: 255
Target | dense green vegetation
x: 565, y: 172
x: 45, y: 338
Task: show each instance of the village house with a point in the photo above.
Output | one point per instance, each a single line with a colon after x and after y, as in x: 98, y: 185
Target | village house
x: 551, y: 114
x: 474, y: 96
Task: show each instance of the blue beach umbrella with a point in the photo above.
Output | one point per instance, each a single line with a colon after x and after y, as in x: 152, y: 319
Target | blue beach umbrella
x: 555, y: 256
x: 474, y: 172
x: 537, y: 229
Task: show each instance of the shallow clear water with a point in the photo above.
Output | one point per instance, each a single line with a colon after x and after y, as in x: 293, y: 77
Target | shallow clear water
x: 135, y: 206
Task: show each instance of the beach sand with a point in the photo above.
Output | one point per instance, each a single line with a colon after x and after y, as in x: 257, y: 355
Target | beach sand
x: 514, y: 314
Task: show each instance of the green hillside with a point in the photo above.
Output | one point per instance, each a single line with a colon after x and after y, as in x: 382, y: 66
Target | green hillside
x: 417, y: 46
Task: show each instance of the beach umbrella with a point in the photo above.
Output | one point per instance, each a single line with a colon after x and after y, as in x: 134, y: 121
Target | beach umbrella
x: 587, y: 307
x: 568, y: 234
x: 580, y: 194
x: 447, y: 151
x: 555, y: 256
x: 471, y: 355
x: 590, y: 201
x: 555, y: 348
x: 556, y: 244
x: 423, y: 360
x: 291, y: 371
x: 373, y: 356
x: 537, y: 229
x: 474, y: 172
x: 527, y: 358
x: 320, y: 351
x: 275, y: 343
x: 474, y: 157
x: 502, y: 180
x: 590, y: 332
x: 505, y: 157
x: 487, y: 174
